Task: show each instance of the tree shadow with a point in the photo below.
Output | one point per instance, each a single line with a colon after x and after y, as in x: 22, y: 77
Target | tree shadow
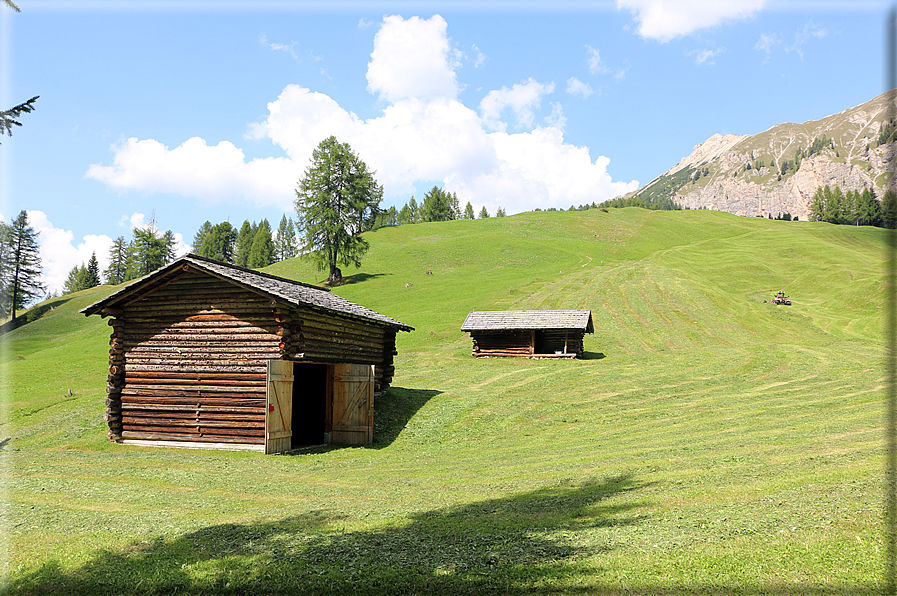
x: 355, y: 279
x: 521, y: 544
x: 593, y: 356
x: 528, y: 543
x: 394, y: 410
x: 33, y: 314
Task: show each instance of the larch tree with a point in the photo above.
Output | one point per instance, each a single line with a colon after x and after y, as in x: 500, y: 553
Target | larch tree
x: 244, y: 243
x: 468, y: 211
x: 20, y: 281
x: 335, y: 197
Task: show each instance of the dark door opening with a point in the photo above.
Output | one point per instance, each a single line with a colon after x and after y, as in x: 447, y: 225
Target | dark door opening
x: 309, y: 404
x: 539, y: 342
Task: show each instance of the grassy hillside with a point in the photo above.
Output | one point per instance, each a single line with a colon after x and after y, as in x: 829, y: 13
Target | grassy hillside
x: 709, y: 443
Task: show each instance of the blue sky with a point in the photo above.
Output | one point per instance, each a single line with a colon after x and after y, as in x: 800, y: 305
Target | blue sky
x: 209, y: 110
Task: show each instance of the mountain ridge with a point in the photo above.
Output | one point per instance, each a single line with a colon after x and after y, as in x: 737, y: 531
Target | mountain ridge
x: 778, y: 170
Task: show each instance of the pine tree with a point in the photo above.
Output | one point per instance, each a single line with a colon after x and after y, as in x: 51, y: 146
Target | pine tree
x: 21, y: 279
x: 117, y: 271
x: 484, y: 214
x: 468, y: 211
x: 201, y: 234
x: 500, y: 212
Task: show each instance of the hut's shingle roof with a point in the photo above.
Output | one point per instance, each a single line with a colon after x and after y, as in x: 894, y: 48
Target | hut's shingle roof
x: 528, y: 319
x: 276, y: 288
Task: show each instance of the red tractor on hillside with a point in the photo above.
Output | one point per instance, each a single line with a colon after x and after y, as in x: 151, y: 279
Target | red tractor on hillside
x: 781, y: 298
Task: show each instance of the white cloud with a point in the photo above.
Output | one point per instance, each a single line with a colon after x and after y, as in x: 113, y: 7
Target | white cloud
x: 289, y: 48
x: 59, y: 254
x: 664, y: 20
x: 706, y: 56
x: 197, y: 169
x: 413, y: 59
x: 577, y: 87
x: 480, y: 59
x: 593, y: 59
x: 806, y: 33
x: 424, y: 133
x: 523, y: 99
x: 767, y: 43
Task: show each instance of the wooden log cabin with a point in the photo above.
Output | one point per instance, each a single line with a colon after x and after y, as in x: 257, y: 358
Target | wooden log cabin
x: 207, y: 354
x: 529, y: 333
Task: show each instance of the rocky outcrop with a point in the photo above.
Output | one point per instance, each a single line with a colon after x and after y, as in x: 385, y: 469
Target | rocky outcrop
x: 762, y: 194
x: 755, y: 175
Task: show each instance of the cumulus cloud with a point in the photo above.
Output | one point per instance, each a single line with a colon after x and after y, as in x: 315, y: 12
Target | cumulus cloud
x: 60, y: 253
x: 424, y: 133
x: 577, y: 87
x: 664, y: 20
x: 413, y: 59
x: 523, y: 99
x: 197, y: 169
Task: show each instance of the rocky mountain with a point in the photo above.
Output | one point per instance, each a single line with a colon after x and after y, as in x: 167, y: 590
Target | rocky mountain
x: 777, y: 171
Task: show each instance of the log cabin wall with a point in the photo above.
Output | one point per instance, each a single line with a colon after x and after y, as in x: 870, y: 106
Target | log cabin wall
x: 325, y: 338
x: 502, y: 343
x: 189, y: 362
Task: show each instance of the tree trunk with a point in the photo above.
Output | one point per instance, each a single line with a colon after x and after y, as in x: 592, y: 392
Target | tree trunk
x: 336, y: 276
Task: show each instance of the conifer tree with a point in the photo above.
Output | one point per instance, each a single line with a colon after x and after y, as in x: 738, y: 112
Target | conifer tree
x: 285, y: 244
x: 262, y: 252
x: 20, y: 283
x: 244, y: 243
x: 484, y: 214
x: 117, y: 271
x: 335, y: 198
x: 468, y: 211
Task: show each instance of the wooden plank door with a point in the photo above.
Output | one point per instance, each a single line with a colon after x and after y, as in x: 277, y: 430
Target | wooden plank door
x: 353, y: 404
x: 279, y: 407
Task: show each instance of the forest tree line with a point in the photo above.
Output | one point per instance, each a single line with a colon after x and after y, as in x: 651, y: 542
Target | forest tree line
x: 855, y: 207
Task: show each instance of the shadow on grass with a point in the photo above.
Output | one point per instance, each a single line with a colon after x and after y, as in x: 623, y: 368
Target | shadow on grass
x: 593, y: 356
x: 33, y: 314
x: 395, y: 409
x: 355, y: 279
x: 520, y: 544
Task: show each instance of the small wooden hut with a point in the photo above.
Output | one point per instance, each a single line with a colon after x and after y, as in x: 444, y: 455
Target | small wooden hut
x: 207, y: 354
x: 529, y: 333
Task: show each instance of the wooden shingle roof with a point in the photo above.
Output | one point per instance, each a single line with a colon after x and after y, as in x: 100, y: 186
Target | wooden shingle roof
x: 580, y: 320
x: 276, y: 288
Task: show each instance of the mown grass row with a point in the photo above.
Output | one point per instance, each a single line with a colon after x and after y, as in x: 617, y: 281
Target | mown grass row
x: 710, y: 443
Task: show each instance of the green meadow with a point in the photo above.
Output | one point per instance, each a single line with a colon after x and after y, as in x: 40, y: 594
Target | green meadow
x: 708, y: 443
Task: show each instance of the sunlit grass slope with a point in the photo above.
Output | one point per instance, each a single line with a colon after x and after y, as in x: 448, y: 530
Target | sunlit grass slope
x: 709, y: 442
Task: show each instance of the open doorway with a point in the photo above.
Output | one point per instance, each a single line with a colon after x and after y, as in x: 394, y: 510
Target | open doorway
x: 310, y: 396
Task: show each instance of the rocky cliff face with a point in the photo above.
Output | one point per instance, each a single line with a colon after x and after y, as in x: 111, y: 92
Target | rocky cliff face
x: 779, y: 170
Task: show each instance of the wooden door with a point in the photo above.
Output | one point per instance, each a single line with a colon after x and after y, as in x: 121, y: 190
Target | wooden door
x: 353, y: 404
x: 279, y: 407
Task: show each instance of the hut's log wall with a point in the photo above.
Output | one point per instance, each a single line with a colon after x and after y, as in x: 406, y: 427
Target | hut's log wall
x: 327, y: 338
x: 502, y: 343
x: 188, y: 363
x: 524, y: 342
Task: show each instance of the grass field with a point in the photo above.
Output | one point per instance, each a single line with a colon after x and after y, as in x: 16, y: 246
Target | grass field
x: 709, y: 443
